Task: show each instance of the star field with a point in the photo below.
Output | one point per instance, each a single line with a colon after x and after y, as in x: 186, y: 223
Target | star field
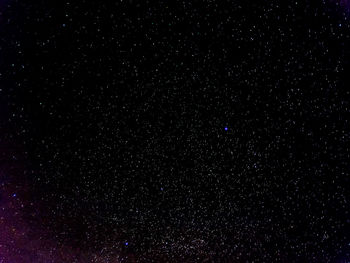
x: 200, y: 131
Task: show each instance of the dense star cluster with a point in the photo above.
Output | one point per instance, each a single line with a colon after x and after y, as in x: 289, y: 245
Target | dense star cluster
x: 174, y: 131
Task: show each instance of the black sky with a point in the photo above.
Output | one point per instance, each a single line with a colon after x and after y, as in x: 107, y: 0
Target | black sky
x: 182, y: 131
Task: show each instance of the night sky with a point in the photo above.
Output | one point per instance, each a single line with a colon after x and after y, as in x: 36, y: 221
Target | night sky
x: 174, y: 131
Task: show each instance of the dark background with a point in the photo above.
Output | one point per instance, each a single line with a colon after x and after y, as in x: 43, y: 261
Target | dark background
x: 121, y: 109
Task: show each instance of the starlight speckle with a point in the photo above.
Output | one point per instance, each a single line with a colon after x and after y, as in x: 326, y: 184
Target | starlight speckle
x: 174, y: 131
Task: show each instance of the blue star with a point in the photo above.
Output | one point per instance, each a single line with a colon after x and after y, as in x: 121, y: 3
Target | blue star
x: 226, y: 128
